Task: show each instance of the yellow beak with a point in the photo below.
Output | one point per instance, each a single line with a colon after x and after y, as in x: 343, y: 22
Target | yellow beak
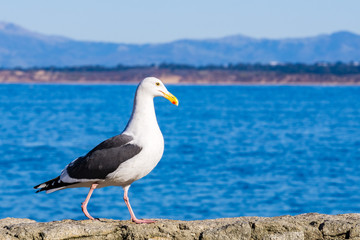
x: 171, y: 98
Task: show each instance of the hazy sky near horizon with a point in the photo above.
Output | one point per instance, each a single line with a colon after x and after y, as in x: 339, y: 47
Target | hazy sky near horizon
x: 158, y: 21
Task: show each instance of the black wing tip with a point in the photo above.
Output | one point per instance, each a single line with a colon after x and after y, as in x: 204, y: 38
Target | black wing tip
x: 53, y: 184
x: 40, y: 189
x: 46, y: 185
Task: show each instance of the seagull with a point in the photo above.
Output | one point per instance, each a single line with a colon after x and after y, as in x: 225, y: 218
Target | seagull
x: 124, y: 158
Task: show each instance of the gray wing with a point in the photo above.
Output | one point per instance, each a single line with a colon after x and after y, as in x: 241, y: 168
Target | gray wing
x: 104, y: 159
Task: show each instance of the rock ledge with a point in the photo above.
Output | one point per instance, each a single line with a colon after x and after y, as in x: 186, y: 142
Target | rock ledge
x: 305, y: 226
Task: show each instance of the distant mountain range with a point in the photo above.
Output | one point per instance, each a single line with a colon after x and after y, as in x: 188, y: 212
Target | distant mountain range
x: 22, y: 48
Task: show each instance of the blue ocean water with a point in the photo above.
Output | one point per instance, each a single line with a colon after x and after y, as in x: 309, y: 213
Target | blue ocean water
x: 229, y: 150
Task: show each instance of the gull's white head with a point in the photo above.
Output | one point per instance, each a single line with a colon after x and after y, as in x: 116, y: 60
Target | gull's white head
x: 156, y: 88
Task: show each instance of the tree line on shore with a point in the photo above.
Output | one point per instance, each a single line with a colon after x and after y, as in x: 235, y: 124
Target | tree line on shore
x: 338, y: 68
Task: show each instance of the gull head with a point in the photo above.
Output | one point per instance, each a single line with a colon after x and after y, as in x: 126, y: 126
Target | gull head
x: 156, y: 88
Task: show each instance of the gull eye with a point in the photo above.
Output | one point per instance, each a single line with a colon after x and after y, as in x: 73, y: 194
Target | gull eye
x: 157, y: 84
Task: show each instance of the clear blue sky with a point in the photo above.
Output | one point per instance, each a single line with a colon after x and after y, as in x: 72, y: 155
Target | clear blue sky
x: 156, y: 21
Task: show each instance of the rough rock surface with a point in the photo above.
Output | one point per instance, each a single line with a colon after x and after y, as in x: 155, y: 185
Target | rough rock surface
x: 305, y: 226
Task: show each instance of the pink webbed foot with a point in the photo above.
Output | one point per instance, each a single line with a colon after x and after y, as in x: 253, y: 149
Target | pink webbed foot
x: 139, y: 221
x: 84, y: 209
x: 133, y: 218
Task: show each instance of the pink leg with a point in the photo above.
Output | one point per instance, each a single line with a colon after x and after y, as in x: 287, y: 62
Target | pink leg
x: 85, y: 203
x: 133, y: 218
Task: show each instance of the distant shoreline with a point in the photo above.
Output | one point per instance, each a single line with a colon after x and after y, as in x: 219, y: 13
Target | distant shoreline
x: 178, y: 77
x: 188, y: 84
